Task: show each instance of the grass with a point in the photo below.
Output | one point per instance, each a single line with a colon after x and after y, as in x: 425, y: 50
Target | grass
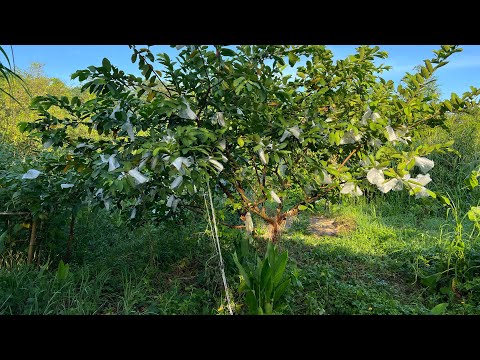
x: 373, y: 269
x: 115, y: 271
x: 369, y: 270
x: 362, y: 272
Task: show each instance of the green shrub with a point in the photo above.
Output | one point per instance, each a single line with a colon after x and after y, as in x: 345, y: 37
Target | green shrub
x: 263, y: 283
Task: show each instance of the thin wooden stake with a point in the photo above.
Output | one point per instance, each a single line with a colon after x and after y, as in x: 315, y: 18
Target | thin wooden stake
x: 13, y: 214
x: 213, y: 225
x: 33, y: 241
x: 70, y: 237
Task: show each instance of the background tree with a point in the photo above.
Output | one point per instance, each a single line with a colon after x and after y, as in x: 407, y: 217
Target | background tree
x: 12, y: 112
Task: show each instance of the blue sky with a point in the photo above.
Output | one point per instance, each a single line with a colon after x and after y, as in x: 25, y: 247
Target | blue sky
x: 62, y: 60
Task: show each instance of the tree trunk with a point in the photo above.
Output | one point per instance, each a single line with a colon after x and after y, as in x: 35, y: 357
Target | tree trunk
x: 33, y: 241
x: 275, y: 232
x: 70, y: 238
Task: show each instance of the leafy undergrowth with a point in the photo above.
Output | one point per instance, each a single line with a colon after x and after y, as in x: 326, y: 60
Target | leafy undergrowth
x: 115, y: 270
x: 372, y: 267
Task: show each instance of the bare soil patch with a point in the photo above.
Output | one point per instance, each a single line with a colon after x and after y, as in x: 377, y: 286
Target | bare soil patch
x: 325, y: 226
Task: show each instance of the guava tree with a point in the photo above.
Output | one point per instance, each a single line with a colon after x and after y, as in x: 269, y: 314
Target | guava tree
x: 285, y: 125
x: 43, y: 187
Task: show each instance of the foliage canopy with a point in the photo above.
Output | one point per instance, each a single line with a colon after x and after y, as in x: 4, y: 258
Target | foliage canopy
x: 237, y: 118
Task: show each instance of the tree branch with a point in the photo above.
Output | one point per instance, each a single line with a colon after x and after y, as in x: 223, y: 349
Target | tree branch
x: 294, y: 211
x: 156, y: 75
x: 349, y: 156
x: 232, y: 226
x: 262, y: 185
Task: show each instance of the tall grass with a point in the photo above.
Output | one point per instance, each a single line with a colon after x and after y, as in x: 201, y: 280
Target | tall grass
x: 27, y: 290
x: 452, y: 168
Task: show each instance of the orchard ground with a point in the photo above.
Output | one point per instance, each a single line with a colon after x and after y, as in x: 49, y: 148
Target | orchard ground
x: 371, y: 269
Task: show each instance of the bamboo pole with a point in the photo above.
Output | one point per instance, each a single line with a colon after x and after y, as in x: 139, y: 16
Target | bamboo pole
x: 9, y: 230
x: 39, y: 244
x: 13, y: 213
x: 70, y: 237
x: 33, y: 241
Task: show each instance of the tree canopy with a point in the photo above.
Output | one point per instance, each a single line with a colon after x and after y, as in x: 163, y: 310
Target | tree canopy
x: 235, y: 118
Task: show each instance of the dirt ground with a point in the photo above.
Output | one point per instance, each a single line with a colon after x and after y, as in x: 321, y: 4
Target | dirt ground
x: 324, y: 226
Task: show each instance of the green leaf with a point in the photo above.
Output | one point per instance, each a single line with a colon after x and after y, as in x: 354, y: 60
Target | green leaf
x: 455, y: 99
x: 251, y: 301
x: 270, y: 254
x: 472, y: 180
x: 474, y: 214
x: 6, y: 56
x: 448, y: 105
x: 242, y: 270
x: 446, y: 290
x: 439, y: 309
x: 3, y: 238
x: 268, y: 289
x: 75, y: 101
x: 292, y: 58
x: 281, y: 289
x: 431, y: 280
x: 22, y: 126
x: 240, y: 142
x: 158, y: 149
x: 266, y: 274
x: 149, y: 71
x: 279, y: 267
x: 62, y: 271
x: 302, y: 207
x: 268, y: 308
x: 445, y: 200
x: 237, y: 81
x: 425, y: 73
x: 227, y: 52
x: 411, y: 164
x: 361, y: 52
x: 240, y: 88
x: 106, y: 64
x: 150, y: 96
x: 429, y: 66
x: 442, y: 63
x: 420, y: 79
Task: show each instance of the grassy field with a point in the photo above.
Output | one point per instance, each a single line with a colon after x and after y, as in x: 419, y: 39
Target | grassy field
x: 374, y: 267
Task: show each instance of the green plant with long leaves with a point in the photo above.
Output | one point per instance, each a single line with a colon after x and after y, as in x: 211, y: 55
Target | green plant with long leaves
x: 263, y: 283
x: 239, y: 118
x: 9, y: 75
